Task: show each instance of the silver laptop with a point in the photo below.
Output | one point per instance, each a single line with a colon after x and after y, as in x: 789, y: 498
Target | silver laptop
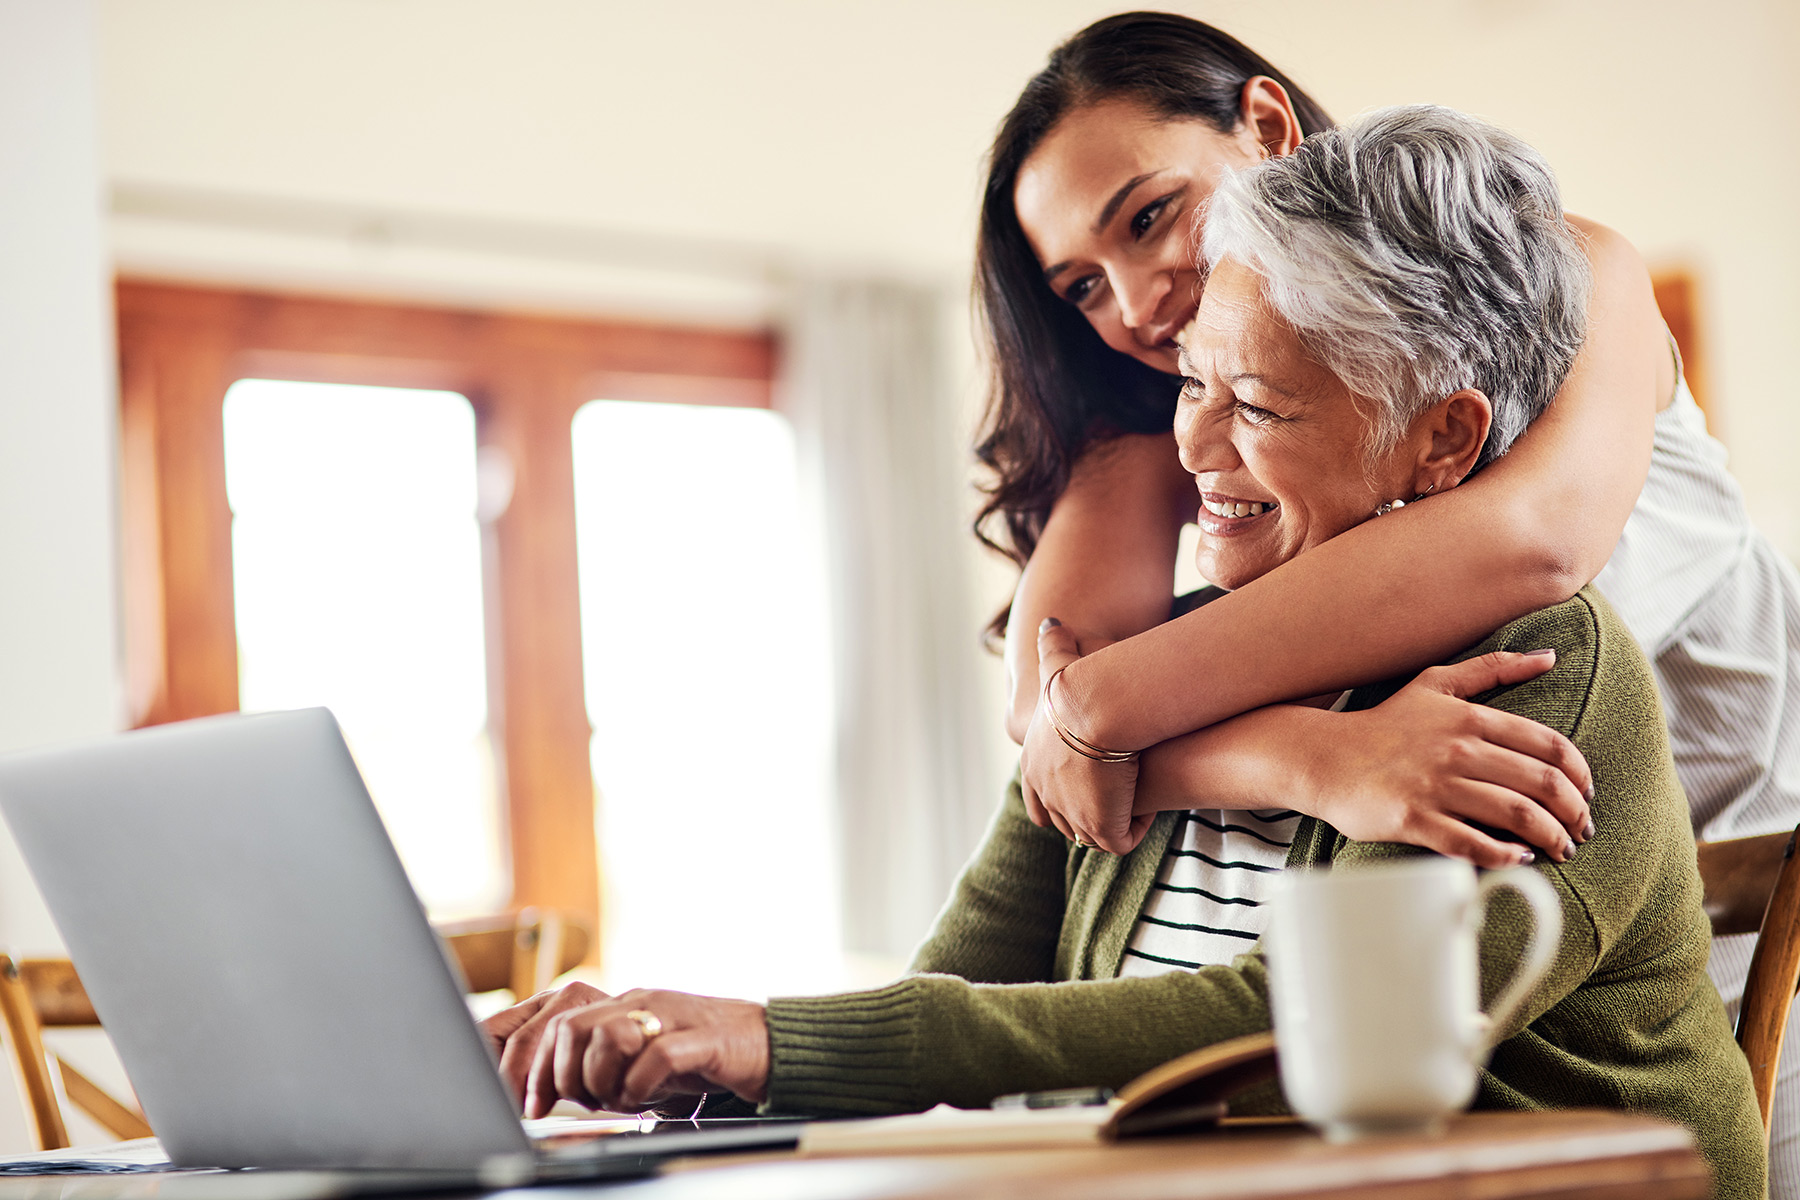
x: 253, y: 947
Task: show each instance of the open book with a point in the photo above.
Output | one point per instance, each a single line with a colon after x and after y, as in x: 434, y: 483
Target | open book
x: 1183, y: 1093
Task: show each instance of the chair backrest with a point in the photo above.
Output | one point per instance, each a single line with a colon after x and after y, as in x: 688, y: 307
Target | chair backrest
x: 1752, y: 885
x: 521, y: 953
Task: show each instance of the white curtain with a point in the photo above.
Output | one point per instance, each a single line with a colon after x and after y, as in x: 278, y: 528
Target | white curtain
x: 870, y: 390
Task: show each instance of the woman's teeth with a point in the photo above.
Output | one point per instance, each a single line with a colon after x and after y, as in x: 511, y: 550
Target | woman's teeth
x: 1234, y: 508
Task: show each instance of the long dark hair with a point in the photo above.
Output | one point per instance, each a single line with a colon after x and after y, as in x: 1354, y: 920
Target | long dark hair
x: 1056, y: 387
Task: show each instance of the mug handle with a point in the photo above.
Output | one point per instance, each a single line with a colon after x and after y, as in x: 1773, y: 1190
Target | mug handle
x: 1540, y: 951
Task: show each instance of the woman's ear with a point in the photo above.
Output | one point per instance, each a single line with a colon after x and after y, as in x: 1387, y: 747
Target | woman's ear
x: 1450, y: 435
x: 1268, y: 115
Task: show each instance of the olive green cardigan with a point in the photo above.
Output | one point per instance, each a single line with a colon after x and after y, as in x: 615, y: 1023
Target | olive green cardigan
x: 1015, y: 988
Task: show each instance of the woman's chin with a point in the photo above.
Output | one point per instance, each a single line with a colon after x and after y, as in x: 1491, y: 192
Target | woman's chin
x: 1165, y: 357
x: 1230, y: 573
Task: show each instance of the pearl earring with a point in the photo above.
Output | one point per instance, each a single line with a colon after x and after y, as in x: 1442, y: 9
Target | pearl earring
x: 1391, y: 505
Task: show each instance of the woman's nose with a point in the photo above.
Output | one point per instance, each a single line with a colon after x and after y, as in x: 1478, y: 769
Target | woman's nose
x: 1199, y: 437
x: 1141, y: 294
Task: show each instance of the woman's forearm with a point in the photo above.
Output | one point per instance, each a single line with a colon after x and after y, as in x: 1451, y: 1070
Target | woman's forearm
x: 1399, y: 593
x: 1423, y: 768
x: 1105, y: 565
x: 1254, y: 760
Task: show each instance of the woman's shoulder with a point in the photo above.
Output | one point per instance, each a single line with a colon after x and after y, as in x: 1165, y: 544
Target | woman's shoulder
x: 1601, y: 684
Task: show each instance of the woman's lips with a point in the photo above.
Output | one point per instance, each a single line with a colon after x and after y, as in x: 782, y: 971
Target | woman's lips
x: 1227, y: 515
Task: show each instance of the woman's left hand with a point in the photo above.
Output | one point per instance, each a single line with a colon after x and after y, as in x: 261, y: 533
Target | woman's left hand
x: 1088, y: 801
x: 580, y: 1044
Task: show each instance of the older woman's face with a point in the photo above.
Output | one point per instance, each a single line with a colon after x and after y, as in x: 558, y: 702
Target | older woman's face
x: 1107, y: 202
x: 1275, y: 442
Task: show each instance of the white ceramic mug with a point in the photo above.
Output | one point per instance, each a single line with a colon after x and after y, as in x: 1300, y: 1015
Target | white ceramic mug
x: 1373, y: 979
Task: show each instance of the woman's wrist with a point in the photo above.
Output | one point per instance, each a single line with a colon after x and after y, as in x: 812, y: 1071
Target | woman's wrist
x: 1082, y: 691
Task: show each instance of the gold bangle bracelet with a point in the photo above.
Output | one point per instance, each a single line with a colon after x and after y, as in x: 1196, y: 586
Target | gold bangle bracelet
x: 1073, y: 740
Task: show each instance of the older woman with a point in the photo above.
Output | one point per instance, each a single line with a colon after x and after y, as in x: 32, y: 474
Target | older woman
x: 1388, y: 308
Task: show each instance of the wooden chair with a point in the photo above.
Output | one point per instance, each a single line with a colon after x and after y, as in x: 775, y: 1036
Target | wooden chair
x: 1752, y: 885
x: 521, y: 953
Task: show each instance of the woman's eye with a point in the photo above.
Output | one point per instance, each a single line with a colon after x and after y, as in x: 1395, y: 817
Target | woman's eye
x: 1146, y: 217
x: 1253, y: 414
x: 1078, y: 292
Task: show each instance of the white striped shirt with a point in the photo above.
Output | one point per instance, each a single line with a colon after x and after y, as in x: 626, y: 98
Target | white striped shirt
x: 1717, y: 609
x: 1206, y: 906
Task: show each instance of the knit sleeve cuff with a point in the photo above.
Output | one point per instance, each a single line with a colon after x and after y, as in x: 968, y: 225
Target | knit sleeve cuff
x: 853, y: 1054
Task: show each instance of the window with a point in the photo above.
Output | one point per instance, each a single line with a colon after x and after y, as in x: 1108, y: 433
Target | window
x: 202, y: 585
x: 356, y: 579
x: 705, y: 640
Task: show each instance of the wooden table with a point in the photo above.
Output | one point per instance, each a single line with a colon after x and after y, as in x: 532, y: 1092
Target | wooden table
x: 1483, y: 1156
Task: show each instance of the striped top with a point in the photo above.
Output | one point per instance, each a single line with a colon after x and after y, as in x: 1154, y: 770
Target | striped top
x: 1206, y: 906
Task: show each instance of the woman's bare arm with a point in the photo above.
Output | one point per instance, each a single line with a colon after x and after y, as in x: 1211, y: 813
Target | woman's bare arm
x: 1106, y: 561
x: 1422, y: 768
x: 1399, y: 594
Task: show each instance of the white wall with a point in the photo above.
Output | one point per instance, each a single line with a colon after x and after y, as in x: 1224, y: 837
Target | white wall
x: 1675, y: 121
x: 58, y: 613
x: 676, y: 157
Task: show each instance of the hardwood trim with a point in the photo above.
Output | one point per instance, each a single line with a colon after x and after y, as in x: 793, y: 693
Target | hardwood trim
x: 174, y: 374
x: 539, y: 709
x: 1678, y: 297
x: 182, y: 346
x: 403, y: 339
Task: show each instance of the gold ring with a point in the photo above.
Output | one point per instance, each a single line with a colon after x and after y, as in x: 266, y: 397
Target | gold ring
x: 1087, y: 845
x: 647, y: 1021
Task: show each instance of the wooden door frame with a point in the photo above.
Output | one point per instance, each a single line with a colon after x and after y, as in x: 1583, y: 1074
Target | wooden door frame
x: 181, y: 346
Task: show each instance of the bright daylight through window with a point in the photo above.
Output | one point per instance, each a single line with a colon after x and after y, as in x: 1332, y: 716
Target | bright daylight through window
x: 357, y: 570
x: 705, y: 642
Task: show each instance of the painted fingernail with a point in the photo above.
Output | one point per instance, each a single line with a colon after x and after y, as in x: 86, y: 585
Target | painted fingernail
x: 1049, y: 623
x: 1539, y: 654
x: 1568, y: 851
x: 1526, y: 858
x: 1587, y: 831
x: 1588, y: 795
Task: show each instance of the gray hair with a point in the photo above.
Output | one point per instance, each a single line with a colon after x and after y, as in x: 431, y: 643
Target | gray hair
x: 1416, y: 251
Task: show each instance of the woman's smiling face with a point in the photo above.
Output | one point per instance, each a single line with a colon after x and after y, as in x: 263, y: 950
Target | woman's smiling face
x: 1276, y: 443
x: 1107, y: 202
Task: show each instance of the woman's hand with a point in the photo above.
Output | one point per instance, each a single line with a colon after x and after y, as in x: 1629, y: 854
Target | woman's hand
x: 1087, y: 801
x: 1416, y: 769
x: 578, y: 1043
x: 1421, y: 766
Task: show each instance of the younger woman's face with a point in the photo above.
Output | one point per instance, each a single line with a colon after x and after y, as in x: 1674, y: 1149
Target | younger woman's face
x: 1107, y: 201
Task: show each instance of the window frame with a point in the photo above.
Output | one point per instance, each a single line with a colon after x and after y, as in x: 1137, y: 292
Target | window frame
x: 181, y: 346
x: 1677, y: 291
